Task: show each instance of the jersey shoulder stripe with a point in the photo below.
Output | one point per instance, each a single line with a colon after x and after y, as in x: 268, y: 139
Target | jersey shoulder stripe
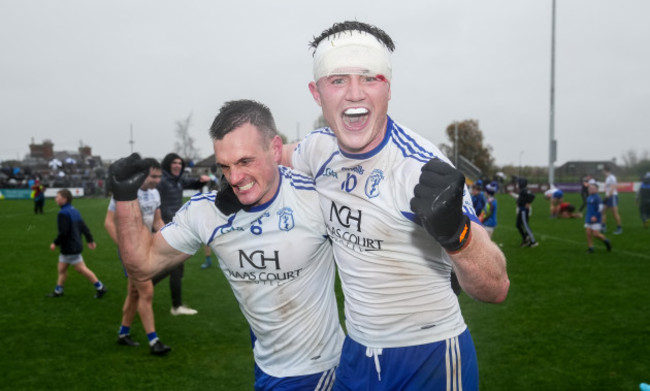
x: 297, y: 180
x: 203, y: 196
x: 409, y: 147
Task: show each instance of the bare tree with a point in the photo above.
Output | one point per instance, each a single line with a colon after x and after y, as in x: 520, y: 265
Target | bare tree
x: 185, y: 143
x: 470, y: 144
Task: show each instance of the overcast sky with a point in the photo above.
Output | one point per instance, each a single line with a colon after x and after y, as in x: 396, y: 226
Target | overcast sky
x: 85, y: 72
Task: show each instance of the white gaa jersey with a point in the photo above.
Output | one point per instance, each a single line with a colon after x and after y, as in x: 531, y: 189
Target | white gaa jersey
x: 279, y: 263
x: 610, y: 186
x: 149, y: 201
x: 395, y: 276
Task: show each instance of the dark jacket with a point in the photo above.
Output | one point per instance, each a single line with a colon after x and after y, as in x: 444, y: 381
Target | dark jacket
x: 171, y: 188
x: 525, y: 197
x: 71, y: 226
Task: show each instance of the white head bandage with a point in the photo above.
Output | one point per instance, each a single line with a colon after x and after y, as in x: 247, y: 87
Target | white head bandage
x: 352, y: 52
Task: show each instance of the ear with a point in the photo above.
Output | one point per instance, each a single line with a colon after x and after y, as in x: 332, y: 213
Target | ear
x: 313, y: 88
x: 276, y: 148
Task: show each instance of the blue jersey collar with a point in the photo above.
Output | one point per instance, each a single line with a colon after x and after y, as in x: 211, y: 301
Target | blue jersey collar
x: 377, y: 149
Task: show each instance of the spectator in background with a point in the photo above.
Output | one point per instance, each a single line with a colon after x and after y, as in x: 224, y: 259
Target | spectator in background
x: 171, y: 199
x: 71, y: 226
x: 567, y: 210
x: 555, y: 197
x: 524, y: 200
x: 139, y: 296
x: 593, y: 217
x: 643, y: 200
x: 489, y: 215
x: 611, y: 201
x: 38, y: 193
x: 478, y: 197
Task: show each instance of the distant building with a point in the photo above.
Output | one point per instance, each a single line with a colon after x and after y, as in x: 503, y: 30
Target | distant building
x: 581, y: 168
x: 43, y: 151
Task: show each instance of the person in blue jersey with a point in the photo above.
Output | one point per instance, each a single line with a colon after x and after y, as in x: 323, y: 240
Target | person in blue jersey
x: 489, y: 215
x: 643, y: 200
x: 270, y: 241
x: 593, y: 218
x: 478, y: 197
x: 71, y: 226
x: 400, y: 218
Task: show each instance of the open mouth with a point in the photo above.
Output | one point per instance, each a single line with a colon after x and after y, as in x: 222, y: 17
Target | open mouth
x: 355, y: 116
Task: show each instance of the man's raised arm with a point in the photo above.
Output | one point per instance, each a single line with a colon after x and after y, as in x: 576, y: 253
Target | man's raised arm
x: 479, y: 263
x: 143, y: 254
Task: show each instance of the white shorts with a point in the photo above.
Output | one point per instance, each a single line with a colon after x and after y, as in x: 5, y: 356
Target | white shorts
x: 70, y: 259
x: 593, y: 226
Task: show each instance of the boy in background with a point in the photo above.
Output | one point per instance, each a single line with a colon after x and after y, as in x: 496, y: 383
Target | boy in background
x: 594, y: 217
x: 489, y: 215
x: 71, y: 226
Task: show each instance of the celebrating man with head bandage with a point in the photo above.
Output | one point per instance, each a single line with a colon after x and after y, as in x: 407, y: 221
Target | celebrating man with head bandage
x: 400, y: 219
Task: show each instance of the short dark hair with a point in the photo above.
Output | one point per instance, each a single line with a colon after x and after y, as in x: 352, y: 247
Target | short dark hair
x: 65, y: 193
x: 349, y: 25
x: 152, y: 163
x: 236, y: 113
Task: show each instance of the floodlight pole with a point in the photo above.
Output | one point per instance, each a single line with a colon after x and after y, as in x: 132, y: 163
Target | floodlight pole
x: 552, y: 145
x: 131, y: 140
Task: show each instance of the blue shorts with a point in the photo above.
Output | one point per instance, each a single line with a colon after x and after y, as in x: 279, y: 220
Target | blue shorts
x: 445, y: 365
x: 612, y: 201
x: 315, y: 382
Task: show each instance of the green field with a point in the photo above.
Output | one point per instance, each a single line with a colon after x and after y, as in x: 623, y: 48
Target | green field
x: 572, y: 320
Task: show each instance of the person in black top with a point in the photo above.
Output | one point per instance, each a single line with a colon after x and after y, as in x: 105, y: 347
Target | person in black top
x: 524, y: 199
x: 171, y: 199
x: 71, y: 226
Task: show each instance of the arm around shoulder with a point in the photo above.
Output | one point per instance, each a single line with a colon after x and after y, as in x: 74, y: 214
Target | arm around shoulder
x: 287, y: 154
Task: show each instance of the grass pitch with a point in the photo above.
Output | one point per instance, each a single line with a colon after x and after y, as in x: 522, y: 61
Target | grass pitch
x: 572, y: 320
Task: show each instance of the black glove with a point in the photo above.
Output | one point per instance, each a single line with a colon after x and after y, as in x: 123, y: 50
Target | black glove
x: 226, y: 200
x: 438, y: 202
x: 125, y: 176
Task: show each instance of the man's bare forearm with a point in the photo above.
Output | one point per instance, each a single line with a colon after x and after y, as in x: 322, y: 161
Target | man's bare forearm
x: 481, y: 268
x: 134, y: 240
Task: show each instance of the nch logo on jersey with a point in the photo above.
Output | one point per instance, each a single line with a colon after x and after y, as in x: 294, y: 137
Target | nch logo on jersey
x: 258, y: 260
x: 344, y: 216
x: 351, y: 239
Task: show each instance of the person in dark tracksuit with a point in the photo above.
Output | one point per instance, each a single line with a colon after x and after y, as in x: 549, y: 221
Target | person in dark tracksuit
x: 171, y: 199
x: 524, y: 200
